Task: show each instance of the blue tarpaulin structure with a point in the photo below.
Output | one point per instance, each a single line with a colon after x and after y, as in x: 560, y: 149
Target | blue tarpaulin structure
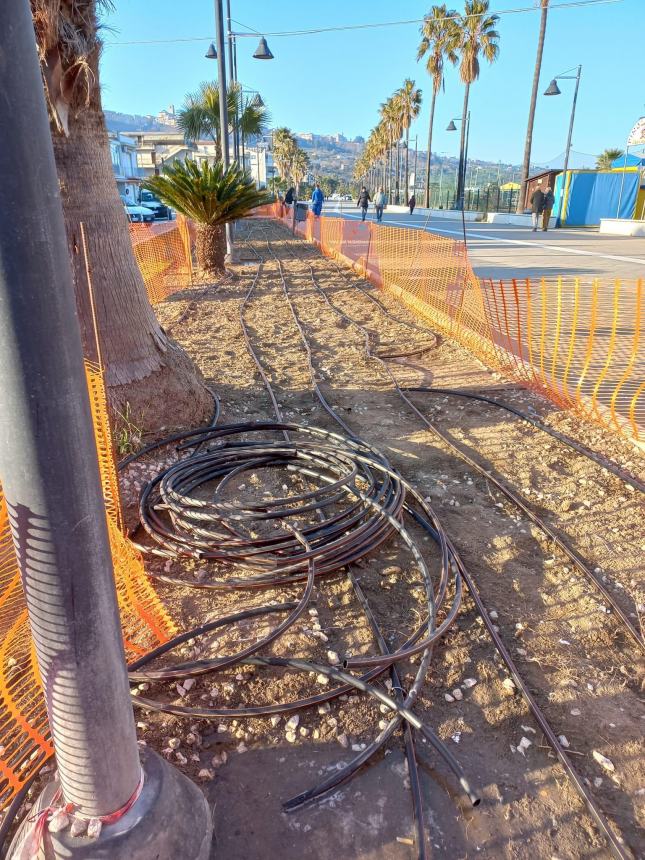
x: 590, y: 195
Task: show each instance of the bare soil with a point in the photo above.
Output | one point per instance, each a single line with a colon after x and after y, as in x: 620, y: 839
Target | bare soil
x: 580, y: 665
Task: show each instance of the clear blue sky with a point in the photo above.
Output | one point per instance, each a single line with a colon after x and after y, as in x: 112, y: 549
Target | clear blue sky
x: 335, y: 82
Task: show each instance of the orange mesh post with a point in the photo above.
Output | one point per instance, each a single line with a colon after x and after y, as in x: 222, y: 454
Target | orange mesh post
x: 24, y: 731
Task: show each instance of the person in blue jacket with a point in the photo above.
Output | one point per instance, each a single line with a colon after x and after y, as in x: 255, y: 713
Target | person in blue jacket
x: 317, y: 200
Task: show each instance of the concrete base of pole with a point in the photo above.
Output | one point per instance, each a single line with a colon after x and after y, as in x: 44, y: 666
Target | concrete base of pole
x: 170, y: 820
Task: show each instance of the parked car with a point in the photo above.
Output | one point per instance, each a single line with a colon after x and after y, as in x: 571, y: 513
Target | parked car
x: 138, y: 214
x: 160, y: 209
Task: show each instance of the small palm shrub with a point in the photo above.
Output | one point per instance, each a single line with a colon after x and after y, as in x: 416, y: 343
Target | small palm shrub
x: 211, y: 196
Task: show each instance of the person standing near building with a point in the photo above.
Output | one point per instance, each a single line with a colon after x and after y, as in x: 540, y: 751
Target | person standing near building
x: 537, y: 205
x: 363, y: 201
x: 317, y: 199
x: 379, y: 204
x: 412, y: 202
x: 289, y: 196
x: 547, y: 206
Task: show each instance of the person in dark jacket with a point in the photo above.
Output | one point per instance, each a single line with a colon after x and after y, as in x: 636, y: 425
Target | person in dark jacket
x: 289, y: 196
x: 363, y: 201
x: 547, y: 206
x: 412, y: 202
x: 537, y: 204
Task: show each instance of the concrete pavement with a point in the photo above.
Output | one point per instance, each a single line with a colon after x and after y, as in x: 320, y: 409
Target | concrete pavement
x: 505, y: 251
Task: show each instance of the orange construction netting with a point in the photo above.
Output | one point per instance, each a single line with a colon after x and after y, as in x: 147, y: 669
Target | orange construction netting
x: 24, y: 733
x: 163, y: 251
x: 579, y: 342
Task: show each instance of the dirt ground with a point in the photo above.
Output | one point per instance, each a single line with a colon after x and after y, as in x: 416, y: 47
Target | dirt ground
x: 581, y: 667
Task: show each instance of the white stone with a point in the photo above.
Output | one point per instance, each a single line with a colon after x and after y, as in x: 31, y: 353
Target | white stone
x: 205, y: 774
x: 342, y: 740
x: 563, y: 741
x: 291, y: 737
x: 457, y: 694
x: 94, y: 827
x: 469, y: 682
x: 448, y: 697
x: 333, y: 657
x: 292, y: 723
x: 275, y: 719
x: 523, y: 745
x: 603, y: 761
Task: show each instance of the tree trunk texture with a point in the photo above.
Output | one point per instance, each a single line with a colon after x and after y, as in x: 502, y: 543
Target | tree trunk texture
x: 144, y: 367
x: 210, y: 247
x: 526, y: 164
x: 429, y: 155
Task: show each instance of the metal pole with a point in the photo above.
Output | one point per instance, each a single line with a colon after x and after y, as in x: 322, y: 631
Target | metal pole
x: 622, y: 181
x: 231, y: 66
x: 465, y: 164
x: 568, y: 149
x: 223, y: 106
x: 50, y: 479
x: 416, y: 152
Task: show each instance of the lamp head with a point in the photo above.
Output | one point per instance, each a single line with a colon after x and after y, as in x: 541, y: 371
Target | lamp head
x: 553, y: 89
x: 211, y: 54
x: 451, y: 126
x: 258, y: 101
x: 262, y: 51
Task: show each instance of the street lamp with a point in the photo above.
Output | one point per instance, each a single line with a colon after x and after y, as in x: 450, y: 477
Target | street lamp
x: 211, y: 54
x: 463, y: 157
x: 554, y: 90
x: 262, y: 51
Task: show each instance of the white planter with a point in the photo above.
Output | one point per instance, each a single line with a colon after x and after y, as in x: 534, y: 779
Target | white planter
x: 622, y: 227
x: 516, y: 220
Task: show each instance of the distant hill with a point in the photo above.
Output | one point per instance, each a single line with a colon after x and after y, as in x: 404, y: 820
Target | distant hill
x: 134, y: 122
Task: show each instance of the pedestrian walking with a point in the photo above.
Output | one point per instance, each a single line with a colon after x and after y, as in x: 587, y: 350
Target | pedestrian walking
x: 379, y: 204
x: 289, y: 196
x: 317, y: 199
x: 363, y: 201
x: 547, y: 206
x: 537, y: 204
x: 412, y: 202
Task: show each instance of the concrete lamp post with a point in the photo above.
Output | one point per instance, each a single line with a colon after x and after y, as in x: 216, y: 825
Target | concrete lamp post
x: 143, y: 807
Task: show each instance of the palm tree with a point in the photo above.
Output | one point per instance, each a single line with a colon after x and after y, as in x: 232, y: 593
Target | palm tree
x: 284, y: 147
x: 408, y: 100
x: 476, y: 35
x: 391, y: 120
x: 438, y: 41
x: 200, y: 115
x: 526, y: 164
x: 607, y: 157
x: 212, y: 196
x: 299, y: 167
x: 144, y: 368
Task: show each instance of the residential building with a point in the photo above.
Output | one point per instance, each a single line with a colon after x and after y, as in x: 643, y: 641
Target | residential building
x: 167, y: 117
x: 155, y: 148
x: 124, y: 164
x: 259, y: 163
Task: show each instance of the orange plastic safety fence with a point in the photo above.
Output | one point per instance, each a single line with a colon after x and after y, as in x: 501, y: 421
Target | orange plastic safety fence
x: 24, y: 732
x: 580, y: 343
x: 163, y: 251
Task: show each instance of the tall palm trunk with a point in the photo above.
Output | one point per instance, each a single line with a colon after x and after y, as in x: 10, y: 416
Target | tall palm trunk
x: 144, y: 368
x: 526, y: 164
x: 429, y: 155
x: 461, y: 178
x: 146, y: 373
